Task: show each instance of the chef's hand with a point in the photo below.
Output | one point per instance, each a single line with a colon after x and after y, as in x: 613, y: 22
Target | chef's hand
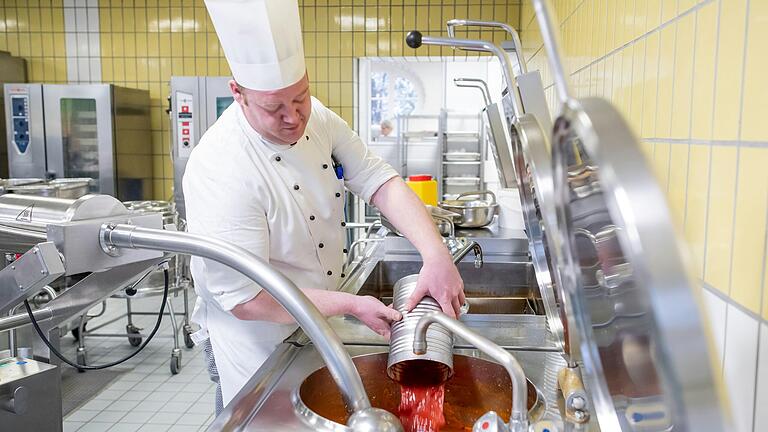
x: 374, y: 314
x: 440, y: 280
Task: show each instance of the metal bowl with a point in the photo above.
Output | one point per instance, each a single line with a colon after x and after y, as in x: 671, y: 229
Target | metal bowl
x: 477, y: 386
x: 474, y: 213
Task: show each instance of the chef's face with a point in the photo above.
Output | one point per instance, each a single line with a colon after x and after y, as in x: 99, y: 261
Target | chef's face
x: 278, y: 115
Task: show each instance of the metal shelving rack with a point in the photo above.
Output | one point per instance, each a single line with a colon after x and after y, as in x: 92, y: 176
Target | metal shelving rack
x: 417, y: 141
x: 463, y: 153
x: 416, y: 130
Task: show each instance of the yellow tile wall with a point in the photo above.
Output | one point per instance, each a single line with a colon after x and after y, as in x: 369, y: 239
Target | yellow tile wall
x: 35, y: 30
x: 689, y: 75
x: 145, y: 42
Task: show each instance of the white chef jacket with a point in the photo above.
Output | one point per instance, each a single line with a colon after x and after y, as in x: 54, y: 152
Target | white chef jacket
x: 283, y: 203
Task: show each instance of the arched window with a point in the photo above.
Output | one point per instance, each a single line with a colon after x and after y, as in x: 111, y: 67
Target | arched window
x: 391, y: 95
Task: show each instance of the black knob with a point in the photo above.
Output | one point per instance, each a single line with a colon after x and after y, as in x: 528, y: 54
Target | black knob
x: 413, y: 39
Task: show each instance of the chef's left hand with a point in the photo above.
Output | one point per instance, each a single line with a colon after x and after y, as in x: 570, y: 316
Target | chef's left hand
x: 439, y: 278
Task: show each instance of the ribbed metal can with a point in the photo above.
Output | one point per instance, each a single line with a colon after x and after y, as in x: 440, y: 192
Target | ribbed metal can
x: 403, y: 366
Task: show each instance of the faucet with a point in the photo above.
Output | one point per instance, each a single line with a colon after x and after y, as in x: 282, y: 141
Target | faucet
x: 466, y: 246
x: 518, y: 419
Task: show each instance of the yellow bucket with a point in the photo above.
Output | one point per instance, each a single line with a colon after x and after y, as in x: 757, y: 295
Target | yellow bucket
x: 425, y: 188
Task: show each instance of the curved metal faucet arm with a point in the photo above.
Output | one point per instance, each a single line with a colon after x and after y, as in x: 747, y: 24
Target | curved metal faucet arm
x: 475, y: 83
x: 278, y: 286
x: 518, y: 420
x: 450, y: 24
x: 415, y: 40
x: 551, y: 37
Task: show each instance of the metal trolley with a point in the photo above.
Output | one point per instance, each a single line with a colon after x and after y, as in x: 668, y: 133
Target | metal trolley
x: 150, y: 284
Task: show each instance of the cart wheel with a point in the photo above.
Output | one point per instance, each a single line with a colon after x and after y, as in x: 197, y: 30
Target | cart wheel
x: 81, y: 359
x: 133, y: 340
x: 175, y: 363
x: 188, y: 342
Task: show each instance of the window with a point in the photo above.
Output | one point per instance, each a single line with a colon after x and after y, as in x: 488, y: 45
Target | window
x: 379, y: 94
x: 391, y: 95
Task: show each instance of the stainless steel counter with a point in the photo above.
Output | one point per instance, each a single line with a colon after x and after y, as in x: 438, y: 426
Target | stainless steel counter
x: 499, y: 244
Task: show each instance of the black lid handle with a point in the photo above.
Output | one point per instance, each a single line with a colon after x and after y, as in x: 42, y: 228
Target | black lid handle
x: 413, y: 39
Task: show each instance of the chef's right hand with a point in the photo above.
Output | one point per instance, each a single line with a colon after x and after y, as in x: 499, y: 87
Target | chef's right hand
x: 374, y: 314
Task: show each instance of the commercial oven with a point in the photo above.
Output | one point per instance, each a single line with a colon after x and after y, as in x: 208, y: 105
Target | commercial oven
x: 99, y: 131
x: 196, y: 103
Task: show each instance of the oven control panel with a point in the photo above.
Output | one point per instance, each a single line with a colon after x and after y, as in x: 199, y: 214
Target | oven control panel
x: 184, y: 124
x: 20, y: 122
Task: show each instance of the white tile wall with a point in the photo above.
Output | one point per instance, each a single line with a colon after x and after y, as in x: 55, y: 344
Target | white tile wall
x: 715, y: 307
x: 94, y: 44
x: 761, y: 401
x: 93, y: 19
x: 81, y: 24
x: 81, y: 19
x: 72, y: 72
x: 83, y: 69
x: 740, y: 366
x: 69, y: 18
x: 95, y: 67
x: 82, y: 45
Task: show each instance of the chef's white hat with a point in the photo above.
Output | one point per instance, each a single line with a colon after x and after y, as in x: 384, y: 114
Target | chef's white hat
x: 261, y: 40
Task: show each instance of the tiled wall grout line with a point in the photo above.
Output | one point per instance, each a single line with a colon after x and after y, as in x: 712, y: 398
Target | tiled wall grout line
x: 762, y: 321
x: 731, y: 302
x: 738, y: 154
x: 690, y: 120
x: 717, y: 143
x: 672, y: 103
x: 709, y: 177
x: 711, y: 155
x: 658, y: 70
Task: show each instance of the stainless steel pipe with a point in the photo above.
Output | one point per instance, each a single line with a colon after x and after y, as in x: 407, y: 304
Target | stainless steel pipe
x: 475, y: 83
x: 518, y: 419
x: 415, y: 40
x: 450, y: 24
x: 278, y: 286
x: 21, y: 319
x: 551, y: 39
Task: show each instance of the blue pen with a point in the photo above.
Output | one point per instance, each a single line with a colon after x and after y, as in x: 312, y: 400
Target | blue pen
x: 338, y: 168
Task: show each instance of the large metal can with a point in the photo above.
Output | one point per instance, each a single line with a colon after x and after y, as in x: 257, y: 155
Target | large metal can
x: 436, y: 365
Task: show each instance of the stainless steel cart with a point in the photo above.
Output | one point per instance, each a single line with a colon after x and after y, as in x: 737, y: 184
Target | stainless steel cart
x: 151, y: 284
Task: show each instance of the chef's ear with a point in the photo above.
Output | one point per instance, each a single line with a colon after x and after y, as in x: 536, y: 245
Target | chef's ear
x: 238, y: 92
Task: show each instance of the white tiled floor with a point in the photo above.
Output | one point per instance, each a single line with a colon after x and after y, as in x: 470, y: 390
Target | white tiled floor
x: 147, y: 397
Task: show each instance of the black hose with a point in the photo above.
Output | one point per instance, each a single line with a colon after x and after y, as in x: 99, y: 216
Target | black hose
x: 106, y: 365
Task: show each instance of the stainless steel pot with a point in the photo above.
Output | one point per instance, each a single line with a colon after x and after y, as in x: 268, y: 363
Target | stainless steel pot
x: 444, y: 221
x: 71, y: 188
x: 475, y: 213
x: 165, y: 207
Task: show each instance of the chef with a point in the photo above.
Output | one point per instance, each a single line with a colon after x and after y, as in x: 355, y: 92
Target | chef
x: 270, y: 176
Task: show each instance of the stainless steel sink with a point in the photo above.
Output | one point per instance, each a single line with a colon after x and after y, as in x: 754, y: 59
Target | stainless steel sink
x: 495, y: 288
